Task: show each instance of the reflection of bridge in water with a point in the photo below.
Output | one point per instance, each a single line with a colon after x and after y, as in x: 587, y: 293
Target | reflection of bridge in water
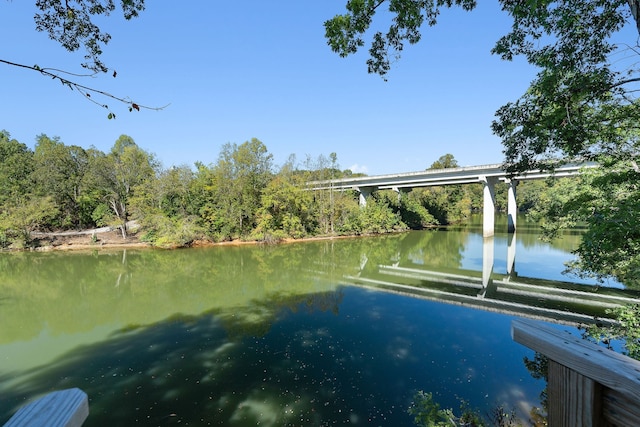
x: 549, y: 300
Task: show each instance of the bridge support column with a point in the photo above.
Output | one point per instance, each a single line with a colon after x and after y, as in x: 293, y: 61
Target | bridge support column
x: 365, y: 192
x: 487, y: 260
x: 489, y: 206
x: 511, y: 255
x: 401, y: 192
x: 512, y: 206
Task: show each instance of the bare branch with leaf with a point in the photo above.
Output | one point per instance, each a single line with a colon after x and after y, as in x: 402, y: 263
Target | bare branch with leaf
x: 71, y: 23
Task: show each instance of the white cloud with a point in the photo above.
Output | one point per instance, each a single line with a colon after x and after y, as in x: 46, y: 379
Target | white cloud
x: 359, y: 169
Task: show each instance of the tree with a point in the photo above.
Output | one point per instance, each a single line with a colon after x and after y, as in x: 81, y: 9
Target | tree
x: 74, y: 25
x: 328, y: 203
x: 582, y: 104
x: 345, y: 32
x: 165, y: 210
x: 172, y: 191
x: 446, y: 161
x: 607, y: 201
x: 375, y: 218
x: 286, y: 207
x: 450, y: 203
x: 230, y: 191
x: 119, y: 174
x: 16, y: 186
x: 58, y: 172
x: 16, y: 166
x: 627, y: 330
x: 25, y: 215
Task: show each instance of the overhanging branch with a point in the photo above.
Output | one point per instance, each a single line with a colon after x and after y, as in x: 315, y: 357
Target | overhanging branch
x: 84, y: 90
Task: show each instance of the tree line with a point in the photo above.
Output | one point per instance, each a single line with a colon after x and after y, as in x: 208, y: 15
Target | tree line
x: 242, y: 195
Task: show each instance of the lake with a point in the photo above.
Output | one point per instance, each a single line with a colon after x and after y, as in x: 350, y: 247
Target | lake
x: 332, y: 332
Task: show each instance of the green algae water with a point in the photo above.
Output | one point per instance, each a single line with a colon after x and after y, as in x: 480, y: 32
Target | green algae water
x: 336, y: 332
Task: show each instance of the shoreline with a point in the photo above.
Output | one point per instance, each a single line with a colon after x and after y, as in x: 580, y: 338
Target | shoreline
x: 112, y: 240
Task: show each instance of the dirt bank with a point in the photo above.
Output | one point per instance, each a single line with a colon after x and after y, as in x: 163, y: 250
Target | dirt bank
x: 87, y: 240
x: 105, y: 238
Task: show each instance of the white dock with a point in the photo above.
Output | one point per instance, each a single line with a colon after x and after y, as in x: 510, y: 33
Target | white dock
x: 64, y: 408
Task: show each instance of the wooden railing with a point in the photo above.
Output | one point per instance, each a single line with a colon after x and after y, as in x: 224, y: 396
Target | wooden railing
x: 587, y: 385
x: 65, y: 408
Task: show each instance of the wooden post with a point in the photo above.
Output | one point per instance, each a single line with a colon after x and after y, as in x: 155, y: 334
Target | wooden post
x: 574, y: 400
x: 65, y: 408
x: 588, y: 385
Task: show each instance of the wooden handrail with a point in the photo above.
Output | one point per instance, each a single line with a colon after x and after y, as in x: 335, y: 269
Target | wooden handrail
x: 65, y: 408
x: 587, y: 385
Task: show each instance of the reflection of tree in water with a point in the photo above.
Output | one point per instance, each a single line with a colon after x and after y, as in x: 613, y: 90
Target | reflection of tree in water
x: 67, y: 293
x: 529, y: 232
x: 332, y: 258
x: 538, y: 367
x: 436, y: 249
x: 369, y: 252
x: 51, y: 291
x: 226, y: 368
x: 75, y: 292
x: 567, y: 241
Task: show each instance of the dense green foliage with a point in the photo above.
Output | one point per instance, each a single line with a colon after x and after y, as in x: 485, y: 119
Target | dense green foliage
x: 345, y: 32
x: 626, y: 330
x: 74, y: 25
x: 606, y: 201
x: 428, y: 413
x: 582, y: 103
x: 57, y: 187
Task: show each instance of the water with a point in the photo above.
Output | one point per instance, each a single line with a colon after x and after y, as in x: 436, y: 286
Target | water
x: 300, y: 334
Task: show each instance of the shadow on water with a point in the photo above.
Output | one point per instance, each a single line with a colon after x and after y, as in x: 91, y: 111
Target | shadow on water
x: 218, y: 368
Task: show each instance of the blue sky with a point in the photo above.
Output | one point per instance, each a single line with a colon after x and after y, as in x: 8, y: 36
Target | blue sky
x: 232, y: 71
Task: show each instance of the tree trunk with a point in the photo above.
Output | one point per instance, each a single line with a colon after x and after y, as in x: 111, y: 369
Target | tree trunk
x: 635, y: 12
x: 124, y: 218
x: 119, y: 209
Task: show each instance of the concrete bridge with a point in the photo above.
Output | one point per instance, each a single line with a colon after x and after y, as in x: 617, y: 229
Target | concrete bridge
x: 488, y: 175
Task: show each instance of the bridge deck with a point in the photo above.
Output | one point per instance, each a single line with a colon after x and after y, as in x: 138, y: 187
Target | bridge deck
x: 435, y: 177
